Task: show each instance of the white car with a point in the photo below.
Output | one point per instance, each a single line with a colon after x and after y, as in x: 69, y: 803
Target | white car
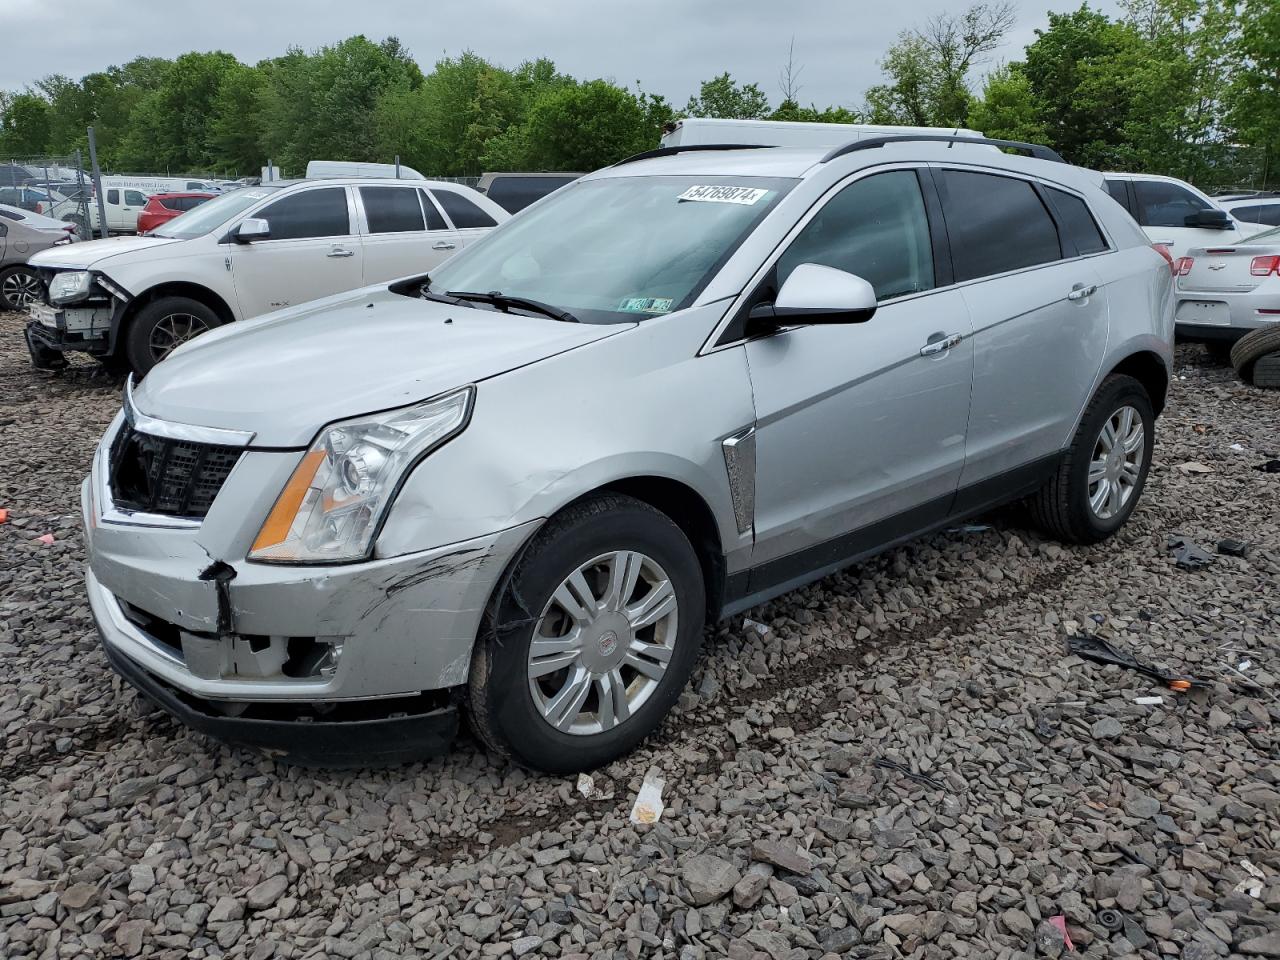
x: 1172, y: 212
x: 1226, y: 291
x: 1254, y: 214
x: 131, y: 300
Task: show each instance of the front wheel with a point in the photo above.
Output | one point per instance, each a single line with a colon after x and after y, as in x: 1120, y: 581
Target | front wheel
x: 19, y: 286
x: 161, y: 327
x: 591, y: 639
x: 1103, y: 472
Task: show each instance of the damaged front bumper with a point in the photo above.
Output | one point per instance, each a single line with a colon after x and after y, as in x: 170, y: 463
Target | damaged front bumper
x: 88, y: 327
x: 336, y: 665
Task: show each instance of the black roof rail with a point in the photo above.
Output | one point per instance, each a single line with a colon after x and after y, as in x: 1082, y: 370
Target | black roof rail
x: 1030, y: 149
x: 672, y: 151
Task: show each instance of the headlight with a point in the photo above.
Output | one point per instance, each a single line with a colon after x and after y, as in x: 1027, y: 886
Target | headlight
x: 70, y: 286
x: 332, y: 505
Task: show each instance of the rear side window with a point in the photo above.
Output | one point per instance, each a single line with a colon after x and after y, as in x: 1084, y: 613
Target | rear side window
x: 1119, y: 192
x: 1163, y: 204
x: 513, y: 194
x: 391, y: 209
x: 434, y: 220
x: 876, y: 228
x: 1078, y: 225
x: 113, y: 197
x: 1268, y: 213
x: 462, y: 211
x: 174, y: 203
x: 312, y: 213
x: 996, y: 224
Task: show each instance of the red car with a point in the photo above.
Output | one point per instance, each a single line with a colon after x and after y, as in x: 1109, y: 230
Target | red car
x: 163, y: 207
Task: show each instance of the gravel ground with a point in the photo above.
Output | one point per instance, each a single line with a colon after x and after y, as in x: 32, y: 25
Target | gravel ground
x: 900, y: 761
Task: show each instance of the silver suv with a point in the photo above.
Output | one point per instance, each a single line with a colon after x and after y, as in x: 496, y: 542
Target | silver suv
x: 682, y: 386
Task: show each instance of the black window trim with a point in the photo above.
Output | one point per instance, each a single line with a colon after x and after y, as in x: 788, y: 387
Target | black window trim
x: 728, y: 333
x: 353, y: 226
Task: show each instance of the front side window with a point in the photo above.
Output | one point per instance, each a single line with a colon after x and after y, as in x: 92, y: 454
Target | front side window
x: 617, y: 249
x: 996, y: 224
x: 135, y: 198
x: 1268, y: 213
x: 391, y: 209
x: 1163, y: 204
x: 876, y: 228
x: 462, y: 211
x: 1077, y: 222
x: 309, y: 214
x: 513, y: 194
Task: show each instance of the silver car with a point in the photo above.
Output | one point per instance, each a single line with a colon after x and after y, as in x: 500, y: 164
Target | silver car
x: 1225, y: 291
x: 23, y: 234
x: 681, y: 386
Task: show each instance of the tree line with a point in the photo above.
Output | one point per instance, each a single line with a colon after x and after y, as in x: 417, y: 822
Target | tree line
x: 1184, y: 87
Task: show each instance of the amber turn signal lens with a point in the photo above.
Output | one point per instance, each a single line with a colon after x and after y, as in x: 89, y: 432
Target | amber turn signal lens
x: 280, y: 520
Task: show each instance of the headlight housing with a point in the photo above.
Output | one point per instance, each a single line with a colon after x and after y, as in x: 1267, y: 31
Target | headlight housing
x: 332, y: 506
x: 70, y: 286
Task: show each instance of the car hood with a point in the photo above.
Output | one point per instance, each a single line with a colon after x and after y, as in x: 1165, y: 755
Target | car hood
x: 286, y: 374
x: 91, y: 253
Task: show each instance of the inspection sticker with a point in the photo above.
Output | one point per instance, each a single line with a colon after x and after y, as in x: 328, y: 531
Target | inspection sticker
x: 721, y: 194
x: 645, y: 305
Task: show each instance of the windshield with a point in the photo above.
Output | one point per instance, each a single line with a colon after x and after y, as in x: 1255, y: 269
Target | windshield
x: 619, y: 249
x: 211, y: 214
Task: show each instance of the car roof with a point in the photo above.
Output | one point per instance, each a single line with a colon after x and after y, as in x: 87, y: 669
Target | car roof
x: 1250, y: 201
x: 799, y: 162
x: 188, y: 193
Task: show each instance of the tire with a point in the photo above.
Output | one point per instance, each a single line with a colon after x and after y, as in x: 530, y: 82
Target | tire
x: 1266, y: 371
x: 161, y: 326
x: 510, y: 708
x: 1252, y: 346
x: 1063, y: 508
x: 19, y: 286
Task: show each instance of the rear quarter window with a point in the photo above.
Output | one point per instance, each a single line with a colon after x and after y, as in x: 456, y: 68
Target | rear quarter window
x: 462, y: 211
x: 1077, y: 223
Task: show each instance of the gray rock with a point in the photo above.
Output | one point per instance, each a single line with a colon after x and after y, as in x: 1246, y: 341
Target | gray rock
x: 783, y: 854
x: 266, y: 893
x: 1106, y: 728
x: 708, y: 878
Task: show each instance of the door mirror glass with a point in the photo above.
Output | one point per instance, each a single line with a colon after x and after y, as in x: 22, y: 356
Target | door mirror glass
x: 1210, y: 220
x: 814, y: 293
x: 251, y: 229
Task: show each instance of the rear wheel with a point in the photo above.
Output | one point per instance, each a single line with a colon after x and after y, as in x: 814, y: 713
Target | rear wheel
x: 1103, y: 472
x: 1250, y: 351
x: 161, y: 327
x: 592, y: 638
x: 19, y: 286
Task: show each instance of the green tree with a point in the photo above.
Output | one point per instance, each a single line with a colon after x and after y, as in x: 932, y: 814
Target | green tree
x: 171, y: 126
x: 927, y: 69
x: 236, y: 130
x: 722, y: 98
x: 1255, y: 91
x: 1008, y: 109
x: 587, y: 127
x: 24, y: 125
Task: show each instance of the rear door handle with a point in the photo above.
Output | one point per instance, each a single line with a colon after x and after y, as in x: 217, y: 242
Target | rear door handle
x: 940, y: 343
x: 1082, y: 290
x: 340, y: 252
x: 442, y: 245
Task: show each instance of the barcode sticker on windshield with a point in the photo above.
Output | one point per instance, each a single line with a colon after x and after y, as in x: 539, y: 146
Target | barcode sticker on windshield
x: 645, y: 305
x: 722, y: 194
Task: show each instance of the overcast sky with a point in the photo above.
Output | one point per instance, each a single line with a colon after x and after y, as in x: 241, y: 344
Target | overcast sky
x: 669, y: 46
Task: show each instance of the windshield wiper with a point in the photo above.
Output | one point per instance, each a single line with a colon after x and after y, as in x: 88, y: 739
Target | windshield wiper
x: 501, y: 300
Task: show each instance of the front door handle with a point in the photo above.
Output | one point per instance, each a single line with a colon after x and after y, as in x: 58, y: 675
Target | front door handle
x: 940, y: 343
x: 1082, y: 291
x: 340, y: 252
x: 442, y: 245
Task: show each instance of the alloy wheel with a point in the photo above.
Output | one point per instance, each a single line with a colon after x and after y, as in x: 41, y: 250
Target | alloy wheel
x: 603, y: 642
x: 172, y: 331
x: 21, y: 288
x: 1116, y: 465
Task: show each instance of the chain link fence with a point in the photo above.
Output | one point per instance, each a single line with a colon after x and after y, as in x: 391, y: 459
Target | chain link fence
x: 53, y: 186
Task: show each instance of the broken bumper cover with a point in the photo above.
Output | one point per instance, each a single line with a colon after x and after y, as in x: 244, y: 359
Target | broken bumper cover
x: 54, y: 330
x: 335, y: 744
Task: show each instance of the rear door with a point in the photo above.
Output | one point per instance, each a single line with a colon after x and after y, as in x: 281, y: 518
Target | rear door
x: 1039, y: 312
x: 313, y: 251
x: 404, y: 233
x: 464, y: 215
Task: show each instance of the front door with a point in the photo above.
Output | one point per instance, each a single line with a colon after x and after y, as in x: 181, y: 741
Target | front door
x: 312, y: 252
x: 860, y: 428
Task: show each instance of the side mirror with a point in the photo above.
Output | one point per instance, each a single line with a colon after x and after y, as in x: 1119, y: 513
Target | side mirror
x: 817, y: 294
x: 1212, y: 219
x: 251, y: 229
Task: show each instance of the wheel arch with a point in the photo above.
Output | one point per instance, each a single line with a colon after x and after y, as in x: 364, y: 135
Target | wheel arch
x: 172, y: 288
x: 1150, y: 370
